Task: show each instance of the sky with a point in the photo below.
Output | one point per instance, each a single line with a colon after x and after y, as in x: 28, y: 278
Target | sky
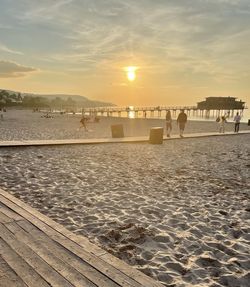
x: 183, y: 50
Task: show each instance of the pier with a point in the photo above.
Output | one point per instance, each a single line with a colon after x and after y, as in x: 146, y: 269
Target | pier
x: 154, y: 111
x: 211, y: 107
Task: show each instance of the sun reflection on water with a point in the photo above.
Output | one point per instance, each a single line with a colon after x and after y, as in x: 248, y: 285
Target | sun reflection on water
x: 131, y: 112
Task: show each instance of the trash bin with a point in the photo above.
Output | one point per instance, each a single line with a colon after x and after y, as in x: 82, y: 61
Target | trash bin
x: 156, y: 135
x: 117, y: 131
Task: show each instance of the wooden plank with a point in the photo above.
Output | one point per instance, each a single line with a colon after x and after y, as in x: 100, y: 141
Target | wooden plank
x: 132, y: 272
x: 82, y: 241
x: 10, y: 213
x: 105, y: 268
x: 119, y: 264
x: 39, y: 265
x: 8, y: 277
x: 20, y: 267
x: 50, y: 254
x: 135, y: 274
x: 4, y: 218
x: 111, y: 140
x: 67, y: 257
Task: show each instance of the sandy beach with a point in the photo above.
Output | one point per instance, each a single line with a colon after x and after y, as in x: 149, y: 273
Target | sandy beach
x: 179, y: 212
x: 25, y: 125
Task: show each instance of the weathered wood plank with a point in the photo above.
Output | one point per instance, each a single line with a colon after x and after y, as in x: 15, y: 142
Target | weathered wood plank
x: 4, y: 218
x: 39, y: 265
x: 53, y: 256
x: 119, y: 264
x: 8, y: 277
x: 46, y: 224
x: 105, y: 268
x: 20, y: 267
x: 10, y: 213
x: 138, y: 139
x: 6, y: 281
x: 67, y: 257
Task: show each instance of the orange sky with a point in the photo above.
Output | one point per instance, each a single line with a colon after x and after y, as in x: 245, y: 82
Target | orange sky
x: 183, y: 52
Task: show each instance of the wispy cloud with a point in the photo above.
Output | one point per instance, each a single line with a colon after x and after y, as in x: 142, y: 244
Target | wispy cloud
x: 14, y: 70
x: 4, y: 26
x: 4, y: 48
x: 43, y: 11
x: 189, y: 40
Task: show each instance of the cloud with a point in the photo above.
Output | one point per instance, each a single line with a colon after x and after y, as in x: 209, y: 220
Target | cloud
x: 43, y: 11
x: 8, y: 50
x: 14, y: 70
x: 4, y: 26
x: 209, y: 37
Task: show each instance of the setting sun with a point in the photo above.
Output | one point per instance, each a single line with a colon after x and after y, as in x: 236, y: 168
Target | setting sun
x: 131, y: 75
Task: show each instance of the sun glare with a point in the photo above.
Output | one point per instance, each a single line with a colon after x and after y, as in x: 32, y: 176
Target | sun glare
x: 131, y: 75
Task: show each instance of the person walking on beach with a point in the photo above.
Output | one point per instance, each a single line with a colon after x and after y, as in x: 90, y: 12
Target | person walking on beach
x: 222, y: 122
x: 237, y: 120
x: 181, y: 121
x: 168, y: 123
x: 83, y: 123
x: 1, y: 114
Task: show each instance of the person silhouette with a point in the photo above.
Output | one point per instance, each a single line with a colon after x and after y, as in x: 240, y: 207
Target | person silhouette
x: 181, y: 121
x: 222, y: 122
x: 237, y: 120
x: 83, y: 123
x: 168, y: 123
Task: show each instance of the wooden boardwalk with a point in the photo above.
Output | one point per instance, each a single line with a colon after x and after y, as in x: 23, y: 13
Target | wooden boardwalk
x: 35, y: 251
x: 110, y: 140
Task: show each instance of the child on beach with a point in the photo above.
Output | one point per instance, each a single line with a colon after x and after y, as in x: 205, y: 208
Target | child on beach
x: 83, y: 123
x: 168, y: 123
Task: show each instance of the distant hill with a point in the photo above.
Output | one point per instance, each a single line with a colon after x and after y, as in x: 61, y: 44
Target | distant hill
x: 13, y: 98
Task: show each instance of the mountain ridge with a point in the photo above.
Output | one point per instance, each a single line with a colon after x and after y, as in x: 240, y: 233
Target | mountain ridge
x: 78, y: 99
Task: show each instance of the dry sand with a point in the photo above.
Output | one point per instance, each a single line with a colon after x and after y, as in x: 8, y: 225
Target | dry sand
x: 179, y: 212
x: 25, y: 125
